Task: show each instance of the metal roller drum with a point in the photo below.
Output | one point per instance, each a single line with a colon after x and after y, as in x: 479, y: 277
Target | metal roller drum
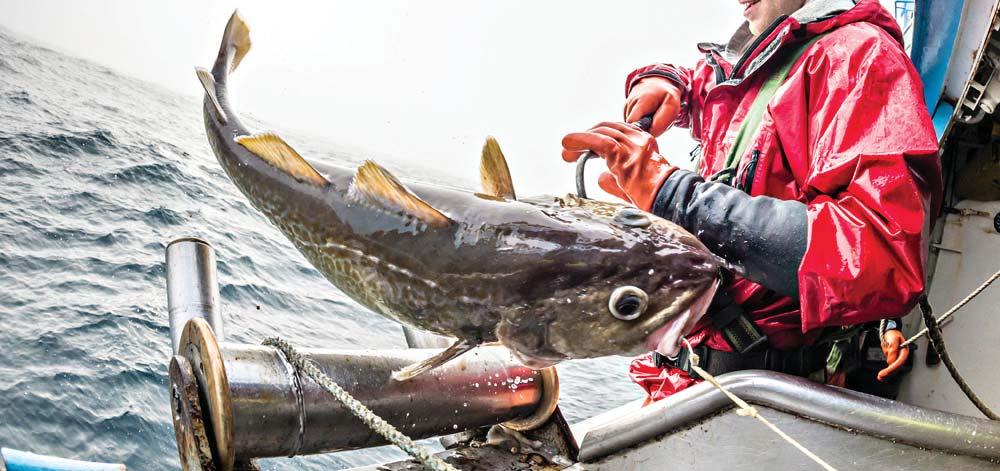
x: 259, y: 407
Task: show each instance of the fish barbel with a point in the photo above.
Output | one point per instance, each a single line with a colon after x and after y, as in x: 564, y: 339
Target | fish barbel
x: 551, y: 278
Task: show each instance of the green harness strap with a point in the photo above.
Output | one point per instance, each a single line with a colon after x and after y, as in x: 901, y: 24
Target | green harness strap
x: 751, y: 124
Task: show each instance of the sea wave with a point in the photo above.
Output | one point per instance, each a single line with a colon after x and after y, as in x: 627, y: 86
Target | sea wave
x: 17, y: 97
x: 93, y: 189
x: 60, y: 143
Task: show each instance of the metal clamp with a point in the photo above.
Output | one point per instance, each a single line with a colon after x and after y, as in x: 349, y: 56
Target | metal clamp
x: 295, y: 378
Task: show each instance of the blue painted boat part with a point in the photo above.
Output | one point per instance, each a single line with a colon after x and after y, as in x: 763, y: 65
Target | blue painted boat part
x: 15, y: 460
x: 935, y: 30
x: 942, y: 117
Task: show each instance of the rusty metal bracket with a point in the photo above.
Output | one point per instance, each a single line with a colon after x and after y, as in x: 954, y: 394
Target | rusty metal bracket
x: 193, y: 445
x: 200, y: 347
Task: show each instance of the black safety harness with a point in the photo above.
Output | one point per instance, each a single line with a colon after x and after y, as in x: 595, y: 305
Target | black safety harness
x: 750, y: 347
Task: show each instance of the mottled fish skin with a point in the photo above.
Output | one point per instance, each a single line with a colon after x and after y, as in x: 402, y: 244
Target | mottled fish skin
x: 535, y: 273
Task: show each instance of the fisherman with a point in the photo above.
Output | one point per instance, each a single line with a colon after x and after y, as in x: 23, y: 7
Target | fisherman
x: 818, y: 180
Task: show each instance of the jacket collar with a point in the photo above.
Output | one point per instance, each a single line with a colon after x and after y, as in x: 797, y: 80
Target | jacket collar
x: 813, y: 11
x: 816, y: 10
x: 746, y: 53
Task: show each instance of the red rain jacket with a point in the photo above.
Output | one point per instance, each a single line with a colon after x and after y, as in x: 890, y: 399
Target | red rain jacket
x: 849, y: 135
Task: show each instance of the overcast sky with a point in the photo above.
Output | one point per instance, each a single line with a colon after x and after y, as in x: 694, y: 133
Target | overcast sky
x: 413, y: 81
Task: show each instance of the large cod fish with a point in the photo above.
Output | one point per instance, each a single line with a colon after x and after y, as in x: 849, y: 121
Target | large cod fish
x: 550, y: 278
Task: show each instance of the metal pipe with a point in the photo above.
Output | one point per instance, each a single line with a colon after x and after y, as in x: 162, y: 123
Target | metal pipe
x: 258, y: 406
x: 277, y: 413
x: 192, y: 287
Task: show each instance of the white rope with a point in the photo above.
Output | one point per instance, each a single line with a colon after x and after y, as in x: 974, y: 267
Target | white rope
x: 944, y: 317
x: 747, y: 410
x: 373, y: 421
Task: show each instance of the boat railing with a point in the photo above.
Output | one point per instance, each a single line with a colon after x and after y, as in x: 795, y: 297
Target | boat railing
x: 880, y: 418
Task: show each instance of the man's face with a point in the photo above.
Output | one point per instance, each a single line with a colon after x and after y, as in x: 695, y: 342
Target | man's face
x: 761, y: 13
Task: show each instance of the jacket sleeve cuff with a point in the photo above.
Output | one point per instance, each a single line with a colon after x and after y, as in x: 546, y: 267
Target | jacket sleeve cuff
x: 672, y: 77
x: 666, y: 72
x: 764, y: 238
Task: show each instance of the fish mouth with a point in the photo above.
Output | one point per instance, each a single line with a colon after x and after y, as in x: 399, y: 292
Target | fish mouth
x: 535, y: 362
x: 667, y: 340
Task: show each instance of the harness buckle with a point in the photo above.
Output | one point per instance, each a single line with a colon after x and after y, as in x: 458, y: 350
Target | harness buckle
x: 683, y: 360
x: 742, y: 335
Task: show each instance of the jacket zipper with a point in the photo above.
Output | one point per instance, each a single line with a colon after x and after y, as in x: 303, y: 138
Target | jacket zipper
x: 746, y: 183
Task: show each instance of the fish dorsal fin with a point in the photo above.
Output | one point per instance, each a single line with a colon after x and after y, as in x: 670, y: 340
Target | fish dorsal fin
x: 237, y: 36
x: 494, y: 175
x: 375, y: 185
x: 208, y: 83
x: 280, y: 155
x: 454, y: 351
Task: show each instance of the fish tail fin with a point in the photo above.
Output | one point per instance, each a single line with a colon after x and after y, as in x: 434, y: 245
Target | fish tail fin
x: 235, y: 44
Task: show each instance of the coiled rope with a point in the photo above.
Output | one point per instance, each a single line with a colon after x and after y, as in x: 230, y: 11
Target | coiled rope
x: 944, y: 317
x: 747, y: 410
x: 373, y: 421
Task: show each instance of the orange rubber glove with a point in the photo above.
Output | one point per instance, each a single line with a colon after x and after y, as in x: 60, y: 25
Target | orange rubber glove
x: 637, y: 170
x: 608, y: 183
x: 895, y: 356
x: 655, y: 96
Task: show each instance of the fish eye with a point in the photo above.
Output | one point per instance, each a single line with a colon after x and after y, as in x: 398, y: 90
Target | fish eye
x: 627, y: 302
x: 632, y: 217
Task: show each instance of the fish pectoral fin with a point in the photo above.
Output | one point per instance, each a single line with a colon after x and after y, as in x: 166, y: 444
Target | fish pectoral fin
x: 374, y: 185
x: 456, y: 349
x: 494, y: 175
x: 280, y: 155
x: 208, y: 83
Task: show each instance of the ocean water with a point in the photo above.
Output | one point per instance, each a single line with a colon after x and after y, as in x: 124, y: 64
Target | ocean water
x: 97, y: 173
